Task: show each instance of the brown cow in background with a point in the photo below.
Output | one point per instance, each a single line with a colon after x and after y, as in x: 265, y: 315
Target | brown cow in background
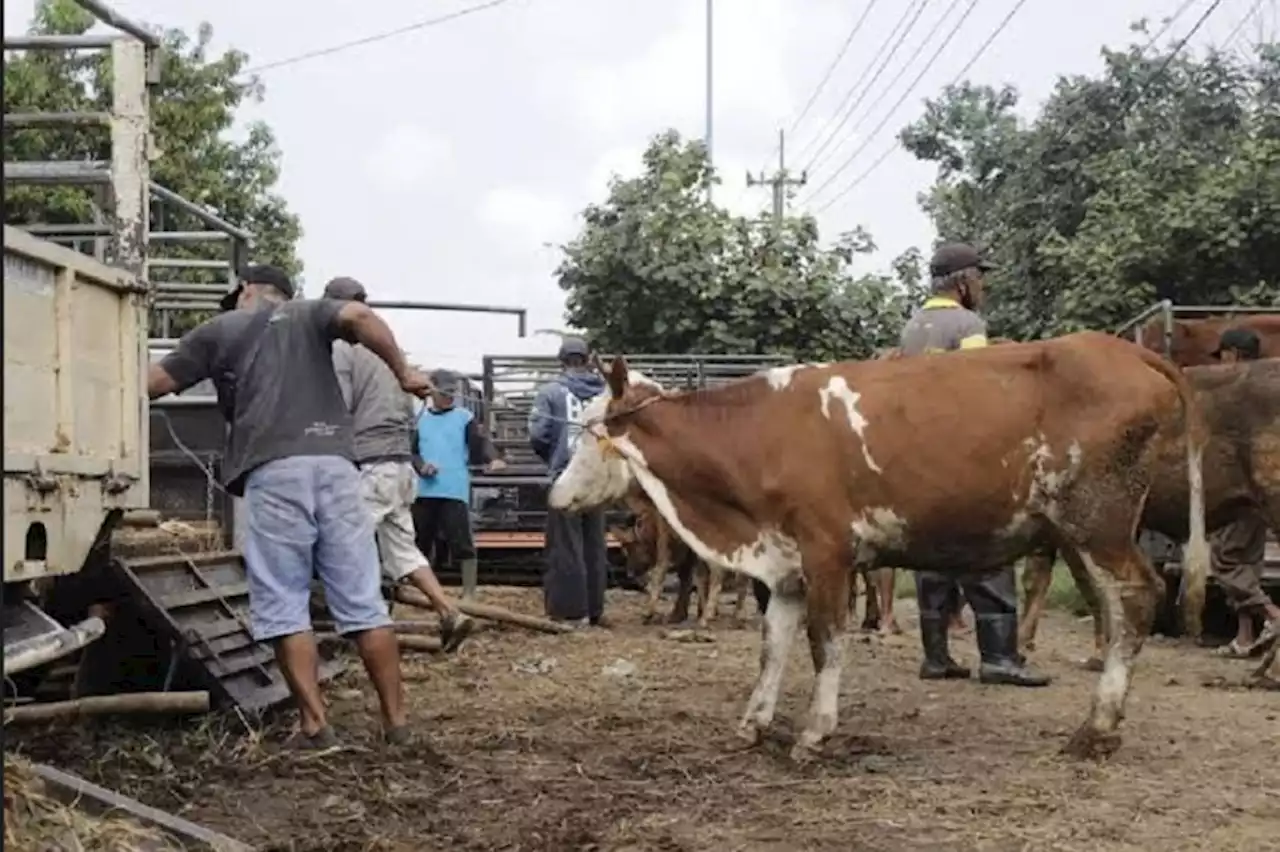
x: 1195, y: 341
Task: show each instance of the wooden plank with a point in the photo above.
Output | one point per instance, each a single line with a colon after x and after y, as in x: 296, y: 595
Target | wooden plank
x: 178, y: 600
x: 77, y: 792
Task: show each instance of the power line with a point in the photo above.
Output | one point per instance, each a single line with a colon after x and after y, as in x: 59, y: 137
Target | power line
x: 884, y: 155
x: 826, y: 77
x: 902, y: 99
x: 1160, y: 72
x: 906, y: 66
x: 1239, y: 27
x: 360, y: 42
x: 852, y: 91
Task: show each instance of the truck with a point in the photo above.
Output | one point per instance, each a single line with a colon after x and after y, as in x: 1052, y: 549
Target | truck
x: 75, y: 437
x: 509, y: 508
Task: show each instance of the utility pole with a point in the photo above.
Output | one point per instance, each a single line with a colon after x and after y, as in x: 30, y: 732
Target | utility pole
x: 709, y: 83
x: 780, y: 181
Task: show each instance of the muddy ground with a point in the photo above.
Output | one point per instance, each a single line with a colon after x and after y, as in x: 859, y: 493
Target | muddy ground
x: 623, y: 740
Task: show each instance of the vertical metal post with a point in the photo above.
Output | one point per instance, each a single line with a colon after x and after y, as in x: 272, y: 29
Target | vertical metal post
x: 710, y: 80
x: 130, y: 168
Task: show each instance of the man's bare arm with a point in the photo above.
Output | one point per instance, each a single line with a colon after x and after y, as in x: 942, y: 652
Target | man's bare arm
x: 159, y: 382
x: 358, y: 321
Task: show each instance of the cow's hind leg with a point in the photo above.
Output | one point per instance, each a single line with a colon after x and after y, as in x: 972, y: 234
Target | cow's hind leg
x: 658, y: 575
x: 826, y: 604
x: 778, y: 628
x: 1129, y: 590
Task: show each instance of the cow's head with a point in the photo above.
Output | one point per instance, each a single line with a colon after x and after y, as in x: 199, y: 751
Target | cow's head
x: 598, y: 472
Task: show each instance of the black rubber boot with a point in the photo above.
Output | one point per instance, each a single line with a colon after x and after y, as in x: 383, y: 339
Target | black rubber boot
x: 1001, y: 662
x: 938, y: 664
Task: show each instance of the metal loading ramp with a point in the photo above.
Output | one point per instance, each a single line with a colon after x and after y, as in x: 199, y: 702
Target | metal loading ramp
x: 199, y: 603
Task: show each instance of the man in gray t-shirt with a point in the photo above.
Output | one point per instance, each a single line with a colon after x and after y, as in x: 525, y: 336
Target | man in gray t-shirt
x: 289, y: 454
x: 945, y: 323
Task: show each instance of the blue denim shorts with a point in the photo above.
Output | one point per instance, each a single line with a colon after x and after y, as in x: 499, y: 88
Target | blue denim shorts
x: 304, y: 517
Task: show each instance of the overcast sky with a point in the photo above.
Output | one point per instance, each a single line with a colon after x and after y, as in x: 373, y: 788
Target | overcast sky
x: 438, y: 165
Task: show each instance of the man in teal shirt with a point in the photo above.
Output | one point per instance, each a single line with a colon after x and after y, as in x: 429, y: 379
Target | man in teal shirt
x: 448, y: 439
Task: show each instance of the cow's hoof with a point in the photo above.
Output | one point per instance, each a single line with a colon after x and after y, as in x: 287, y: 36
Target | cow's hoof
x: 750, y: 734
x: 803, y: 752
x: 870, y: 626
x: 649, y: 618
x: 1087, y: 743
x: 677, y: 618
x: 1093, y: 664
x: 1027, y: 646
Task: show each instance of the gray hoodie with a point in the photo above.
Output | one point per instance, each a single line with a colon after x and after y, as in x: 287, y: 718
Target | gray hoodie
x: 382, y: 411
x: 557, y: 401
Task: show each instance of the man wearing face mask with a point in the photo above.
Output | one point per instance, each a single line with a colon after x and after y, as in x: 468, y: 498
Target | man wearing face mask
x: 948, y: 321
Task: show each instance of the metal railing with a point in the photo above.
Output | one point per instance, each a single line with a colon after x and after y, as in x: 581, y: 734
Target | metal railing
x: 1169, y: 313
x: 124, y: 237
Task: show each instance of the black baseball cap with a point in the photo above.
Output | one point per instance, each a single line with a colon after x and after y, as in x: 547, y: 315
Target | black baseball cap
x: 1242, y: 340
x: 273, y: 276
x: 347, y: 289
x: 446, y: 382
x: 955, y: 257
x: 571, y: 346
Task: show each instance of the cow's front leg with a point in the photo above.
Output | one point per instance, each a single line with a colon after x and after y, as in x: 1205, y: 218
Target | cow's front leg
x: 740, y: 602
x: 684, y: 592
x: 715, y: 580
x: 884, y: 581
x: 778, y: 628
x: 1037, y: 577
x: 658, y: 575
x: 826, y: 605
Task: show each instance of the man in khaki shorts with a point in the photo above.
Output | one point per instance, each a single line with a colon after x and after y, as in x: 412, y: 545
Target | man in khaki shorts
x: 384, y: 418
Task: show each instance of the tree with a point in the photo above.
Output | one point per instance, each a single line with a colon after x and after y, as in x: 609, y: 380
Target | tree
x: 658, y: 267
x: 1159, y: 179
x: 192, y: 109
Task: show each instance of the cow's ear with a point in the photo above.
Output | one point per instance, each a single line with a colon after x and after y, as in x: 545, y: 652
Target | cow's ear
x: 618, y: 377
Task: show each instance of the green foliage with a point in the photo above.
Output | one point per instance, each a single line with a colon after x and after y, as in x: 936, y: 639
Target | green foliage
x: 192, y: 109
x: 1159, y: 179
x: 659, y: 268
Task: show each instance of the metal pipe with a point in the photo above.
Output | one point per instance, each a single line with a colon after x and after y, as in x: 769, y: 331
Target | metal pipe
x: 186, y: 236
x: 210, y: 218
x: 45, y: 172
x: 112, y: 18
x: 59, y: 42
x: 176, y: 287
x: 521, y: 314
x: 186, y: 306
x: 34, y: 119
x: 74, y: 230
x: 186, y: 263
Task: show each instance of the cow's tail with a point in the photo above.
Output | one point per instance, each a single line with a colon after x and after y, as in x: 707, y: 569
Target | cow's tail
x: 1195, y: 560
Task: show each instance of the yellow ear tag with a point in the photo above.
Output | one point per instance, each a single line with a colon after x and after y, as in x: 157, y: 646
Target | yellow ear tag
x: 606, y: 446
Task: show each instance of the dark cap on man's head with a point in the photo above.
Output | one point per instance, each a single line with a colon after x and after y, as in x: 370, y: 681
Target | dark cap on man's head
x: 955, y: 257
x: 446, y: 382
x: 573, y: 346
x: 272, y: 276
x: 347, y: 289
x: 1242, y: 340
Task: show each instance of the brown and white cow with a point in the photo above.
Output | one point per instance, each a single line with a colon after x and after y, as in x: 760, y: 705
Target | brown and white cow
x: 966, y: 459
x: 1241, y: 407
x: 1194, y: 341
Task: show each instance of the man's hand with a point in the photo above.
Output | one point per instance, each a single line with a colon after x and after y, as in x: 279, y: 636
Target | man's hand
x: 415, y: 382
x: 496, y: 466
x: 427, y: 470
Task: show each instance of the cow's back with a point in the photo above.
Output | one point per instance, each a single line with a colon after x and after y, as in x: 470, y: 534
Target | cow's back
x: 954, y: 442
x: 1241, y: 407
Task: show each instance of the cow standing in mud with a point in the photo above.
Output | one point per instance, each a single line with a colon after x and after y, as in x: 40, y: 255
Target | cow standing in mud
x: 926, y: 463
x: 1241, y: 407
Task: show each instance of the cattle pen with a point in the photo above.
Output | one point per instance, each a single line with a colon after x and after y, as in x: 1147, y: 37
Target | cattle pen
x: 623, y: 740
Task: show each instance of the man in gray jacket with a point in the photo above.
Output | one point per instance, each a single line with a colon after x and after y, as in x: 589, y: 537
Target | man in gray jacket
x: 574, y: 582
x: 384, y: 430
